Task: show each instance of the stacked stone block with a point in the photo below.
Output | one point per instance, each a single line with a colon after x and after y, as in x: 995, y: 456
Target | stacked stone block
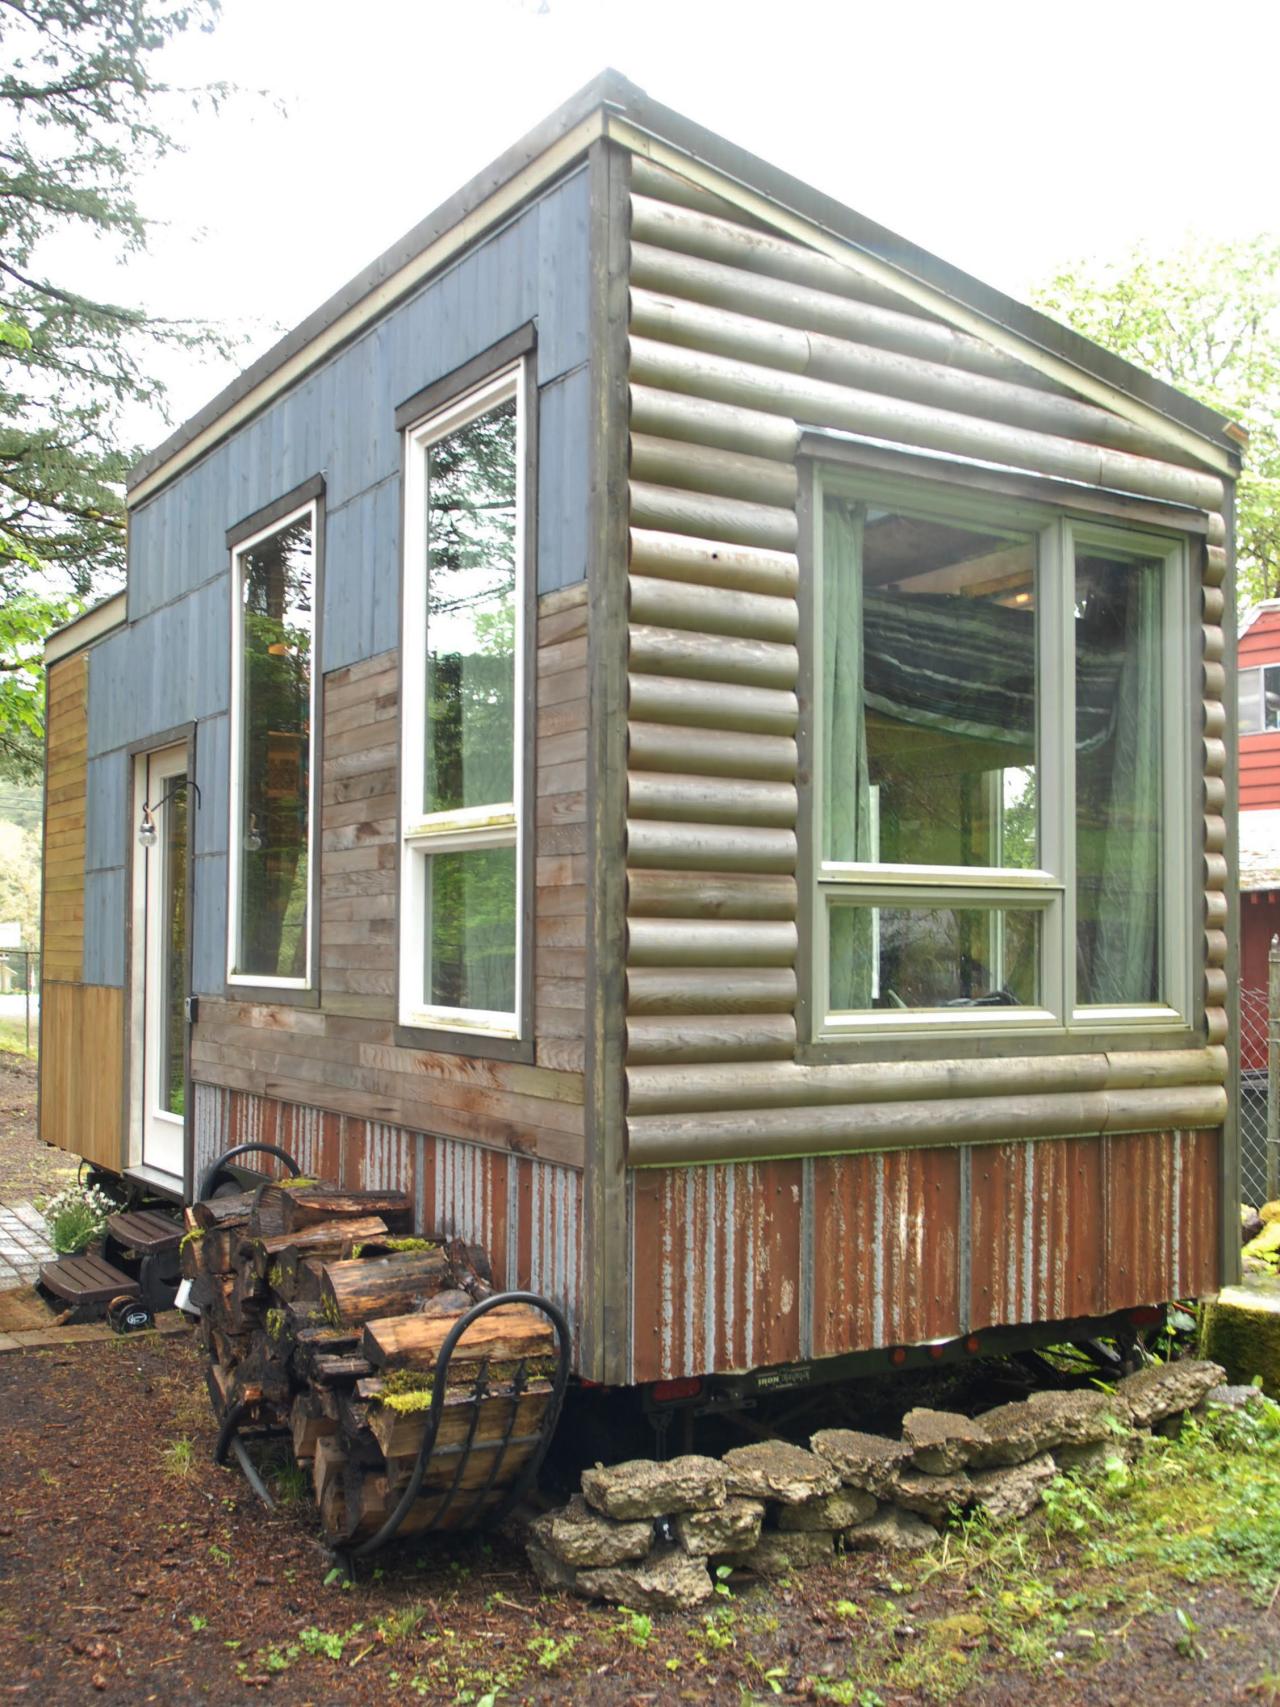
x: 649, y: 1535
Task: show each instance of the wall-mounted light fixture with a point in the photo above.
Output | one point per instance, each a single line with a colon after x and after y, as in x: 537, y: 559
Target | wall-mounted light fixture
x: 147, y: 828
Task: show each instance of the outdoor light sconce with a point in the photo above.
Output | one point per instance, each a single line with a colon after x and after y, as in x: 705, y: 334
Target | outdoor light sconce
x: 147, y: 828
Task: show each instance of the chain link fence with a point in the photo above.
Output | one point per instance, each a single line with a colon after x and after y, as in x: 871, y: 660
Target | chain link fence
x: 1253, y: 1095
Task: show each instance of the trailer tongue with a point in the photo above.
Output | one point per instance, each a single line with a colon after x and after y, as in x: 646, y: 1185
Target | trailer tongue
x: 417, y: 1397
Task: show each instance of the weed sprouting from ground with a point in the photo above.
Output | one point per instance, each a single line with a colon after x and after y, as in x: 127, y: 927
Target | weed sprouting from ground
x: 1106, y: 1551
x: 178, y: 1457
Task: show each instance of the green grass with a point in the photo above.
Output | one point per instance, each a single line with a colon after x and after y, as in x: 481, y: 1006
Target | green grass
x: 1064, y: 1590
x: 13, y: 1036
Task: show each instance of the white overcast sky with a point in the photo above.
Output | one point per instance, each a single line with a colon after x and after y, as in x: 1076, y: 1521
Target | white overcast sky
x: 1004, y: 137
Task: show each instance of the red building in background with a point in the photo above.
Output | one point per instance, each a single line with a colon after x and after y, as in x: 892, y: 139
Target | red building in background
x: 1259, y: 660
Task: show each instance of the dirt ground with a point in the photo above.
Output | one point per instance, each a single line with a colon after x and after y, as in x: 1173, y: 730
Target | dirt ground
x: 134, y: 1571
x: 28, y: 1168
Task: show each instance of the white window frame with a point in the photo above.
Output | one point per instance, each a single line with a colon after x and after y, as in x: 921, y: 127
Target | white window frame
x: 498, y: 824
x: 1050, y: 890
x: 235, y: 839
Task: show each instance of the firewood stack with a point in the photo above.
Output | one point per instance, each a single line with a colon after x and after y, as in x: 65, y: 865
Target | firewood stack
x: 323, y: 1315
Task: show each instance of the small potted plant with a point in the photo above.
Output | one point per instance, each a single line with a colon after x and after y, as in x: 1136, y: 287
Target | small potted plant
x: 77, y: 1218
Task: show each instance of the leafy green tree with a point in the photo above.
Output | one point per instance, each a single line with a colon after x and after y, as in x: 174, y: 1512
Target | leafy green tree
x: 80, y: 106
x: 1207, y: 319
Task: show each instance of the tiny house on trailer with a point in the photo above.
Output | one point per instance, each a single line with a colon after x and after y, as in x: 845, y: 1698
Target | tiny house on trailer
x: 691, y: 736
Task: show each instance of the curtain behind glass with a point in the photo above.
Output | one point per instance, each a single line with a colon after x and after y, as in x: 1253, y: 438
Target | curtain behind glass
x: 1118, y: 781
x: 846, y: 795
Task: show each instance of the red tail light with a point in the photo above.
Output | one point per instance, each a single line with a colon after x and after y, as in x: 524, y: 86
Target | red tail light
x: 667, y: 1392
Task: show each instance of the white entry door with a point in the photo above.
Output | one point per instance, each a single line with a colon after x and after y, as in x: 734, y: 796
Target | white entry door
x: 163, y: 882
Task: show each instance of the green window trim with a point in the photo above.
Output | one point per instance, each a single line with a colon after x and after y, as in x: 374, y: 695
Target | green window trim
x: 1133, y: 772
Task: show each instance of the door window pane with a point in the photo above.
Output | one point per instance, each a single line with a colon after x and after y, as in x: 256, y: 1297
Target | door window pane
x: 172, y: 1077
x: 897, y: 957
x: 471, y: 580
x: 929, y: 691
x: 1119, y: 719
x: 471, y: 935
x: 276, y: 625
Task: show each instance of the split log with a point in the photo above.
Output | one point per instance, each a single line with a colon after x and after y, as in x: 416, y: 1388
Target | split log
x: 335, y: 1370
x: 307, y: 1205
x: 388, y: 1286
x: 399, y: 1432
x: 510, y: 1332
x: 309, y: 1425
x: 324, y: 1239
x: 232, y: 1210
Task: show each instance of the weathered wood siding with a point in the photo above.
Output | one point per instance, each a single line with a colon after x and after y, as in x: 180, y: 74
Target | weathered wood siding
x: 66, y: 789
x: 81, y: 1024
x: 82, y: 1070
x: 343, y: 1057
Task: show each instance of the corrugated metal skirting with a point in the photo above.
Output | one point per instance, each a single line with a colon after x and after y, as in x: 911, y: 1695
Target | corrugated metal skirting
x: 740, y: 1265
x: 525, y: 1213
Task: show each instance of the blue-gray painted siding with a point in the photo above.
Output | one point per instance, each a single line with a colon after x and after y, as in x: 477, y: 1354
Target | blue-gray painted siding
x: 563, y: 425
x: 340, y: 421
x: 171, y: 665
x: 104, y: 934
x: 106, y: 804
x: 213, y: 777
x: 169, y: 668
x: 209, y: 926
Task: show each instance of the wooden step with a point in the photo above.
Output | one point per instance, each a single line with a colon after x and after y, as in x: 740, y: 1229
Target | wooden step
x: 149, y: 1232
x: 87, y: 1280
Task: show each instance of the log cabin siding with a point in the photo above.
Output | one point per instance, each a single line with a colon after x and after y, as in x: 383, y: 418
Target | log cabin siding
x: 737, y: 337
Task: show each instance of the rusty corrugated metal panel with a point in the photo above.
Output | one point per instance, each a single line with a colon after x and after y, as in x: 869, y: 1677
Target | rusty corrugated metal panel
x: 885, y: 1249
x: 465, y: 1197
x: 1199, y: 1220
x: 1162, y: 1199
x: 1037, y: 1230
x: 716, y: 1268
x: 545, y: 1233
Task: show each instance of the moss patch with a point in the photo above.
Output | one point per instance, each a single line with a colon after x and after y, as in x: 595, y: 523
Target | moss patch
x: 1241, y: 1331
x: 190, y: 1237
x: 299, y: 1182
x: 398, y: 1246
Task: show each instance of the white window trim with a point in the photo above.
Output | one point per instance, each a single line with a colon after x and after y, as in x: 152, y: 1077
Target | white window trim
x: 1050, y: 891
x: 495, y: 825
x: 235, y: 844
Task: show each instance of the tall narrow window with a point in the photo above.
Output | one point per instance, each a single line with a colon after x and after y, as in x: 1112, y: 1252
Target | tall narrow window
x: 272, y: 723
x: 461, y: 949
x: 1119, y: 791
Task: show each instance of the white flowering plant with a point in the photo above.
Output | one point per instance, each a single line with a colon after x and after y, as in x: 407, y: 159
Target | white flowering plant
x: 77, y: 1216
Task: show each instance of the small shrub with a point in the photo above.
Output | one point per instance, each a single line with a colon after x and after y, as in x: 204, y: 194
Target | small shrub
x: 77, y: 1216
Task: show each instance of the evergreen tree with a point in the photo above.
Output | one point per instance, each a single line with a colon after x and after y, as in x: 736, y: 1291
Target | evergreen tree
x: 80, y: 105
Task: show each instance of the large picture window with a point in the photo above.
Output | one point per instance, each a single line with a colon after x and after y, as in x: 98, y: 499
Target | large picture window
x: 997, y: 755
x: 272, y: 723
x: 461, y: 903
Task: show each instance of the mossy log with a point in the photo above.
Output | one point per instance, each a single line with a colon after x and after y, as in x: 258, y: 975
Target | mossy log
x: 510, y: 1332
x: 1241, y: 1331
x: 351, y: 1292
x: 330, y: 1239
x: 305, y: 1207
